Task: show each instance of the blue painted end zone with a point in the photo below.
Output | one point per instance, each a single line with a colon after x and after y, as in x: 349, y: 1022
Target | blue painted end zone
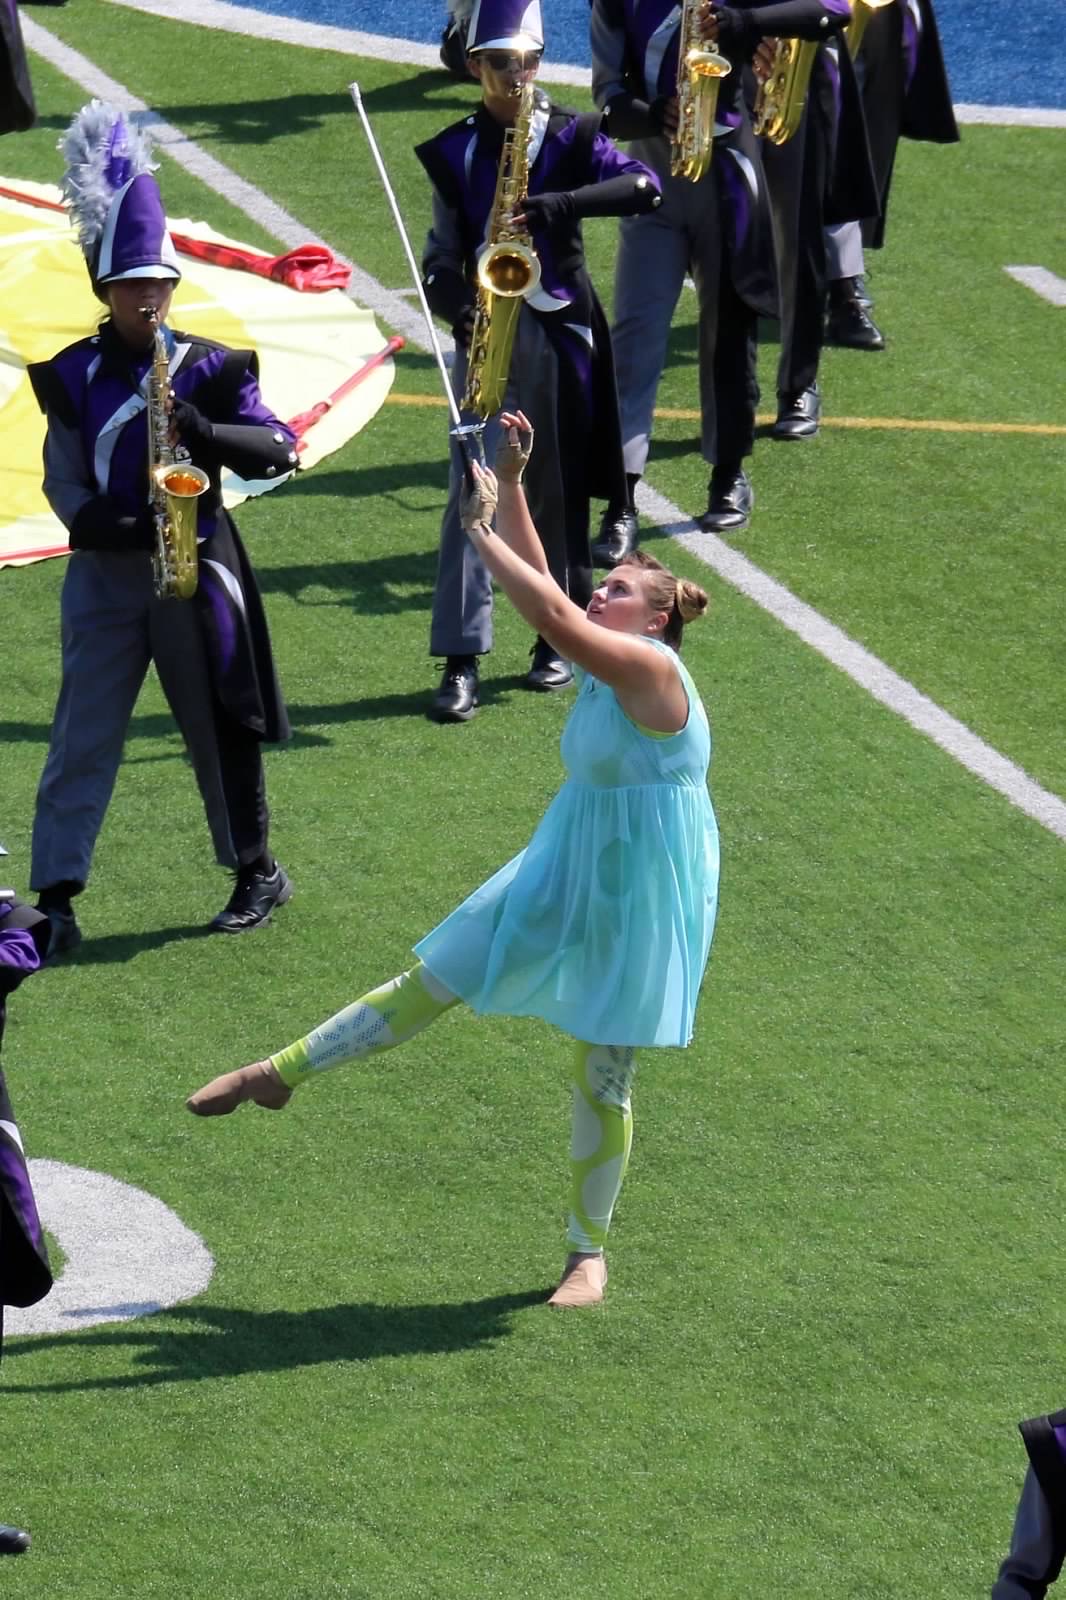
x: 996, y: 55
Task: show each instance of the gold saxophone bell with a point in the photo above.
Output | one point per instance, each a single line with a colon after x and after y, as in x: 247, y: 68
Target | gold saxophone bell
x: 174, y: 484
x: 699, y: 70
x: 508, y: 269
x: 177, y: 487
x: 707, y: 64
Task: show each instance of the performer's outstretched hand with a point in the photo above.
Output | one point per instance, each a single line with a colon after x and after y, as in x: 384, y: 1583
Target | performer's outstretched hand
x: 478, y: 506
x: 515, y: 446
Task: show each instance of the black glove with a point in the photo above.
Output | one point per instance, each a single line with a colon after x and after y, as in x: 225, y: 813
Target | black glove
x: 736, y: 31
x: 463, y: 327
x: 192, y: 426
x: 547, y: 210
x: 99, y: 525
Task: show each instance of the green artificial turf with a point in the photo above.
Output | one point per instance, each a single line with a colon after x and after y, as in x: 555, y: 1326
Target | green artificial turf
x: 835, y: 1267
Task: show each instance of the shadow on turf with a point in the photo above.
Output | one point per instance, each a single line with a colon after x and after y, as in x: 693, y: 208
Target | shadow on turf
x: 382, y: 587
x: 216, y: 1342
x: 113, y: 947
x: 492, y: 691
x: 262, y: 122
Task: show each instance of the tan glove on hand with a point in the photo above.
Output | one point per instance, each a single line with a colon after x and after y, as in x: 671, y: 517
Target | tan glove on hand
x: 514, y: 448
x: 478, y: 505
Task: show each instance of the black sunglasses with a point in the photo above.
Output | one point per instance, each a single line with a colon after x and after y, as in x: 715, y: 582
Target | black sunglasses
x: 502, y: 60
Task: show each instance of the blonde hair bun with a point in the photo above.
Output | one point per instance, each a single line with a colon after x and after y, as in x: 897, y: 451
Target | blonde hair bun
x: 690, y: 599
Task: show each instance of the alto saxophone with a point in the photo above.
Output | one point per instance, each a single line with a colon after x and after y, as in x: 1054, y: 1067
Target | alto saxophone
x: 174, y: 483
x: 783, y: 94
x: 699, y: 71
x: 507, y: 272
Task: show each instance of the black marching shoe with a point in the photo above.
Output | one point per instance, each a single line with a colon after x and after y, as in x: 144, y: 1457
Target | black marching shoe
x: 798, y: 415
x: 456, y: 698
x: 13, y: 1541
x: 848, y: 321
x: 255, y: 895
x: 619, y: 534
x: 549, y: 670
x: 730, y: 503
x: 65, y: 933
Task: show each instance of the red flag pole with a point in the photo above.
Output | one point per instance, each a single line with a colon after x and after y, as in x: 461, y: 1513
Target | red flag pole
x: 307, y: 419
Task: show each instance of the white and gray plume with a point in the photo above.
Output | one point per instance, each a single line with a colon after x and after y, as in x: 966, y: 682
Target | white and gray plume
x: 460, y: 10
x: 103, y: 150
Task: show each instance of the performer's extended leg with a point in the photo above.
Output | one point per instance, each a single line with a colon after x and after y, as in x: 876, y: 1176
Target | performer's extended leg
x: 383, y: 1018
x: 601, y: 1138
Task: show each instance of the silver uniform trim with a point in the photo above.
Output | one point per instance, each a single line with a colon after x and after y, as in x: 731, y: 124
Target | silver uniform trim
x: 229, y: 583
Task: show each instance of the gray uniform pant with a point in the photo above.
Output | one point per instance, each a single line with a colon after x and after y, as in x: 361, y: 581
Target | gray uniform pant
x: 462, y: 600
x: 843, y: 248
x: 112, y: 627
x: 655, y: 252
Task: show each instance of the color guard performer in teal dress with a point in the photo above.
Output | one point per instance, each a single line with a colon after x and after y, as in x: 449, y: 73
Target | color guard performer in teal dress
x: 602, y: 925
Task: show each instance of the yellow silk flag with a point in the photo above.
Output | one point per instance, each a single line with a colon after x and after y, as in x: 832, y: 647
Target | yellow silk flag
x: 318, y: 351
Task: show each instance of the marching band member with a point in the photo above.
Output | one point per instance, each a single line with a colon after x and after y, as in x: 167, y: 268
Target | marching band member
x: 905, y: 94
x: 821, y: 172
x: 602, y: 925
x: 561, y: 371
x: 716, y: 228
x: 212, y: 652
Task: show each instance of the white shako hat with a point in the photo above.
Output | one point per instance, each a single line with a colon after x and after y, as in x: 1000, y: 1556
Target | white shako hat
x: 505, y: 25
x: 114, y: 199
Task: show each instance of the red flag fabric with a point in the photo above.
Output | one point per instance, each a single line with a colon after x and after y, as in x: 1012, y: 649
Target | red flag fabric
x: 312, y: 268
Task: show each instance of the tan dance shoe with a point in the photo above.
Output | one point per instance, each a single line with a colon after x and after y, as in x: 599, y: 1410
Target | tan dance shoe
x: 583, y: 1282
x: 260, y: 1082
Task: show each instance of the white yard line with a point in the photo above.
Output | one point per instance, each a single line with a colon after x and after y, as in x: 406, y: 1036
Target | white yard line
x: 865, y: 669
x: 1048, y: 285
x: 349, y: 41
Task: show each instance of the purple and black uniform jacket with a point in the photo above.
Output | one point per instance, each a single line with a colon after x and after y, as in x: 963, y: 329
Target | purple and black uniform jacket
x: 928, y: 113
x: 905, y: 93
x: 25, y: 1275
x: 96, y: 481
x: 580, y: 173
x: 635, y: 54
x: 634, y: 74
x: 834, y: 98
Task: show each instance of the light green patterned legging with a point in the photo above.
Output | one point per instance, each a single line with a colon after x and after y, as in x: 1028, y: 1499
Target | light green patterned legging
x: 602, y: 1130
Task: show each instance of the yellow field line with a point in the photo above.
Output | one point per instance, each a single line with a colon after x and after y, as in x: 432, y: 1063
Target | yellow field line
x: 916, y: 425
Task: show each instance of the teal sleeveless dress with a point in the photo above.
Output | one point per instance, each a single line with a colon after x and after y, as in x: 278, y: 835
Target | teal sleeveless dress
x: 602, y: 925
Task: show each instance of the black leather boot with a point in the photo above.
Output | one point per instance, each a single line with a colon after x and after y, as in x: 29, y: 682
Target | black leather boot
x: 848, y: 321
x: 619, y: 534
x: 730, y: 501
x: 548, y: 670
x: 255, y: 895
x: 456, y: 698
x: 798, y: 415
